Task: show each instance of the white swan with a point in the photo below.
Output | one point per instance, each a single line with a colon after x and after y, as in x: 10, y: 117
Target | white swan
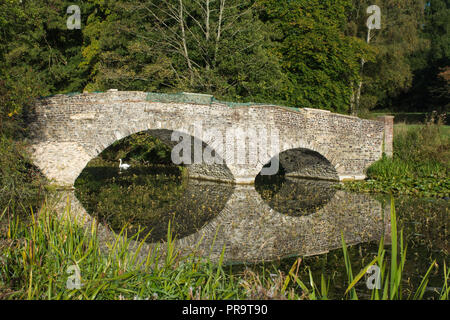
x: 123, y: 166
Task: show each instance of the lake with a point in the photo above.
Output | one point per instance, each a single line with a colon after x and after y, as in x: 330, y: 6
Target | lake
x: 272, y: 222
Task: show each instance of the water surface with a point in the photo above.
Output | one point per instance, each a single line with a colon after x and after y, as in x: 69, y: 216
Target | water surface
x: 274, y: 221
x: 277, y: 217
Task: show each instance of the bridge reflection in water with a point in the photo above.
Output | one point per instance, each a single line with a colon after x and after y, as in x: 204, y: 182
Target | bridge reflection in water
x: 297, y: 217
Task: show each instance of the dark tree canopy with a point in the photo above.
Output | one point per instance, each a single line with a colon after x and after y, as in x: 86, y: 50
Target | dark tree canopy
x: 301, y: 53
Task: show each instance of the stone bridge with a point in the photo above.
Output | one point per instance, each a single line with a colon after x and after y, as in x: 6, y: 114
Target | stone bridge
x: 67, y: 131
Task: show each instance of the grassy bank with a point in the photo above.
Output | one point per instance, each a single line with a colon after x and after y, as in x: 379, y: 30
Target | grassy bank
x: 36, y: 255
x: 420, y: 164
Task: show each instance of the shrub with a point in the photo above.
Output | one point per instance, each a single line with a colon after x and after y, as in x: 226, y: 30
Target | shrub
x: 20, y: 181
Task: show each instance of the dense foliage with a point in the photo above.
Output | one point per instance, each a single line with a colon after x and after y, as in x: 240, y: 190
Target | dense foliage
x: 430, y: 89
x: 299, y: 53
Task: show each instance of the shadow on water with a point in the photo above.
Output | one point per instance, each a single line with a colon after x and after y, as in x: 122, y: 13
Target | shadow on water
x: 275, y: 221
x: 277, y: 217
x: 150, y: 197
x: 293, y: 196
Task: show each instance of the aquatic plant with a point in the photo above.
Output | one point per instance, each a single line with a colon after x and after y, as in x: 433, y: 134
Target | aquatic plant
x: 36, y: 254
x: 420, y: 165
x: 390, y: 272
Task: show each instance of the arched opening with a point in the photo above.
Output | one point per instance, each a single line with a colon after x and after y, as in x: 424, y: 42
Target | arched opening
x: 153, y: 191
x: 306, y: 163
x: 303, y: 185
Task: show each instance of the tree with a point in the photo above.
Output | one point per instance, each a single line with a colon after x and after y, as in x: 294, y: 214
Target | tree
x: 390, y: 74
x: 436, y: 29
x: 218, y: 47
x: 429, y: 90
x: 38, y: 55
x: 321, y: 61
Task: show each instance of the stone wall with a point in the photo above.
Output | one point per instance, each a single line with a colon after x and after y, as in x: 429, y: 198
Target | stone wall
x: 66, y: 132
x: 304, y: 163
x: 388, y: 143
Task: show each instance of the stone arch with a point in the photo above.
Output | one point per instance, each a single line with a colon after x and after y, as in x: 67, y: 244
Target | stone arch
x: 305, y: 160
x: 306, y: 163
x: 215, y: 172
x: 63, y: 161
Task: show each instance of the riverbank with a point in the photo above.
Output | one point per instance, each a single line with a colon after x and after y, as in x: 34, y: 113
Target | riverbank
x: 50, y: 258
x: 420, y: 165
x: 37, y: 251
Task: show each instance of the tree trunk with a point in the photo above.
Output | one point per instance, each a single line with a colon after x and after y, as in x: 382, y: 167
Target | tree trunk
x: 183, y: 37
x: 360, y: 84
x: 219, y: 29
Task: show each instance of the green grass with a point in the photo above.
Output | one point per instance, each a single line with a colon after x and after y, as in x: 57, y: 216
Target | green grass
x: 402, y: 127
x: 446, y: 131
x: 420, y: 165
x: 391, y: 272
x: 404, y: 117
x: 35, y: 256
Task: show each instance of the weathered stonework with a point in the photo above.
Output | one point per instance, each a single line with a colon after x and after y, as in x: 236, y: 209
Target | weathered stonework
x: 388, y: 122
x: 304, y: 163
x: 68, y: 131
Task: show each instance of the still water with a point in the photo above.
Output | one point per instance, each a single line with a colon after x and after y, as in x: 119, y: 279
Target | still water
x: 276, y: 217
x: 272, y: 221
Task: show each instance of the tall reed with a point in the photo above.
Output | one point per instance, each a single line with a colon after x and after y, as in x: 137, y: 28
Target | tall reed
x: 35, y: 256
x: 390, y: 272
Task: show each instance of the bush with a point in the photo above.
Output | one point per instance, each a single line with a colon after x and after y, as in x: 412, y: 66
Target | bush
x: 420, y: 164
x: 419, y: 151
x: 20, y: 182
